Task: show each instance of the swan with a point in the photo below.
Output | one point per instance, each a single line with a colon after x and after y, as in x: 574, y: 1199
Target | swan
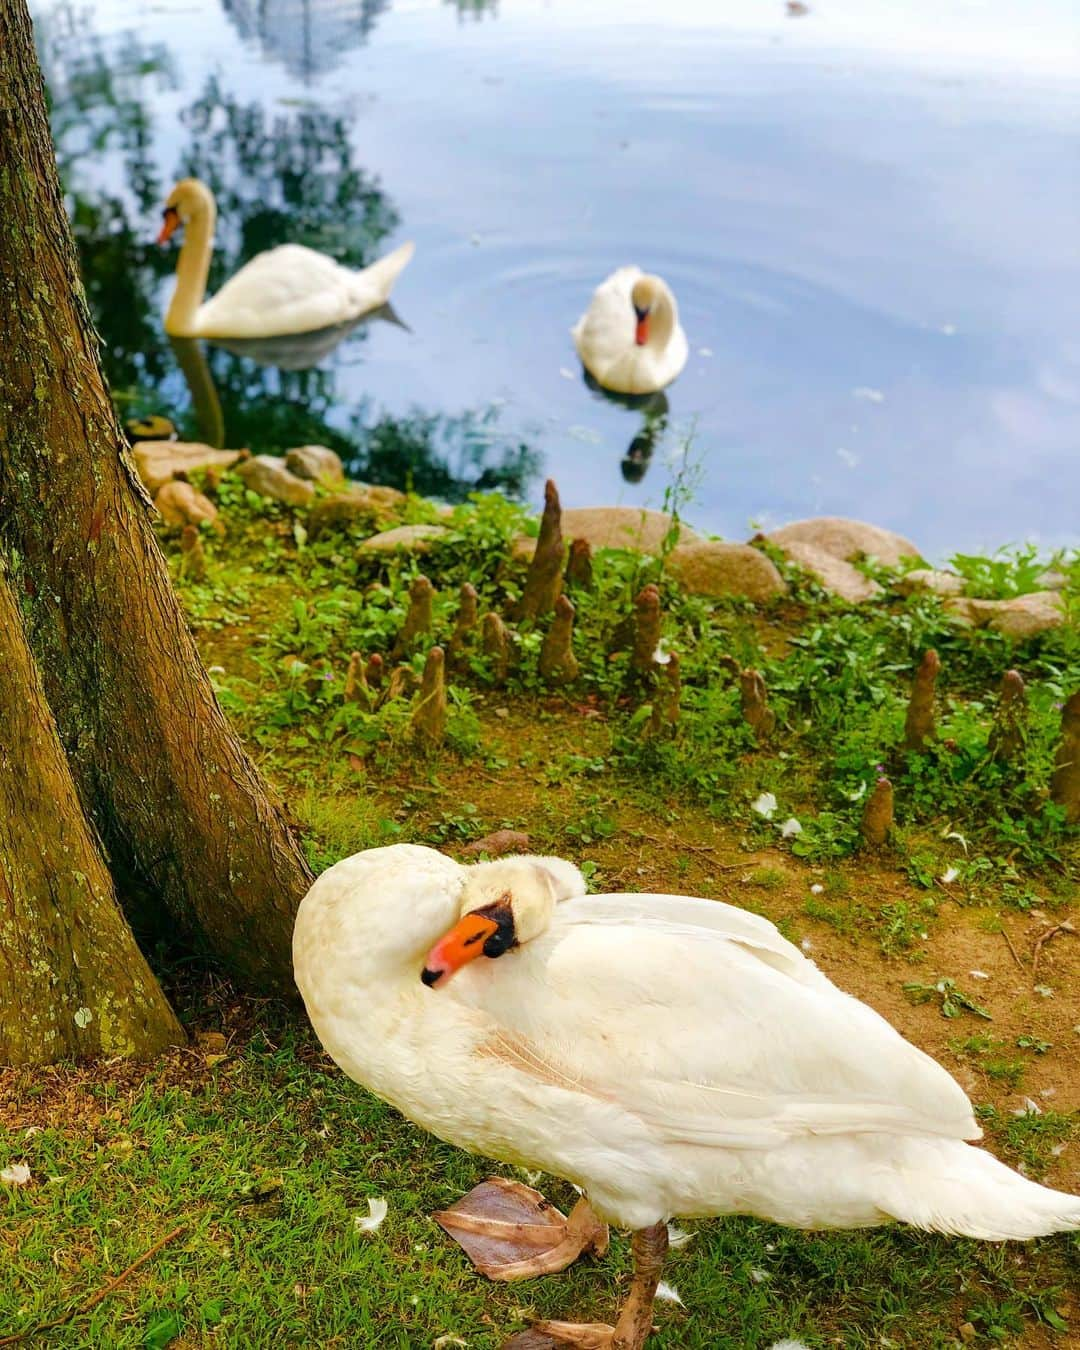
x: 290, y: 289
x: 630, y: 339
x: 670, y: 1056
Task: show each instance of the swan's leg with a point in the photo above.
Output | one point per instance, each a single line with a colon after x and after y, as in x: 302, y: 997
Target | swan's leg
x: 510, y: 1232
x: 635, y: 1320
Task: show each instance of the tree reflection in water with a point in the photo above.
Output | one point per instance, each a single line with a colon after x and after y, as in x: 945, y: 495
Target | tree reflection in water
x: 474, y: 9
x: 285, y: 177
x: 308, y: 37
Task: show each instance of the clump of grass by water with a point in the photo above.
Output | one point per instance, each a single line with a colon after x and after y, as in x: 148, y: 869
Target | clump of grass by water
x: 837, y: 680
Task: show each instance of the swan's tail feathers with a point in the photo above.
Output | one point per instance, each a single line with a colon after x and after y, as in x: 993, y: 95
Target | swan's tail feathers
x: 951, y: 1187
x: 383, y: 273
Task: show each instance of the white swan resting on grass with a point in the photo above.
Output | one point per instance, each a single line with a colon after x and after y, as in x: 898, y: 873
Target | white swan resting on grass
x: 671, y: 1056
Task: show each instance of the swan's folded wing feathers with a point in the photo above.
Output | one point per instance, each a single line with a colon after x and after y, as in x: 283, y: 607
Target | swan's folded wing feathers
x: 718, y: 1035
x: 304, y: 291
x: 602, y: 332
x: 688, y: 914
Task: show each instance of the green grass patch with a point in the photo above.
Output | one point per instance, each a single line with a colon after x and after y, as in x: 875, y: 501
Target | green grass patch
x: 269, y: 1157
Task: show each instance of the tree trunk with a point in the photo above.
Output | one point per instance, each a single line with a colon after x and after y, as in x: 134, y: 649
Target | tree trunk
x: 72, y: 981
x: 185, y: 818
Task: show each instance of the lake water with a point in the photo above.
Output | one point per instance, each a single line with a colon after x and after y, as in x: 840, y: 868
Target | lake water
x: 869, y: 213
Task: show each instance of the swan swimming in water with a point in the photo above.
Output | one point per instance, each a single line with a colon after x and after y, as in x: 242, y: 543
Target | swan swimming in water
x: 630, y: 339
x: 286, y: 290
x: 671, y: 1056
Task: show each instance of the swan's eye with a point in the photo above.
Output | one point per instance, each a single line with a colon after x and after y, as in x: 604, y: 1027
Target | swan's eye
x: 504, y: 937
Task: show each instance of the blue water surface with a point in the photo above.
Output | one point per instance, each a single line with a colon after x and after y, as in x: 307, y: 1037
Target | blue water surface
x: 869, y: 213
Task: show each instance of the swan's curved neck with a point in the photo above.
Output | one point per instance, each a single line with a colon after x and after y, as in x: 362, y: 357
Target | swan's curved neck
x: 192, y: 267
x: 663, y: 318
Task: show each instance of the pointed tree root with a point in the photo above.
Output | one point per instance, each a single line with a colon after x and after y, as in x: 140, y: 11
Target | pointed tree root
x: 558, y: 664
x: 1065, y: 784
x: 418, y: 618
x: 428, y: 720
x: 193, y: 559
x: 646, y: 640
x: 579, y: 566
x: 495, y: 639
x: 919, y: 727
x: 755, y: 705
x: 373, y: 675
x: 1009, y: 732
x: 543, y: 581
x: 465, y: 629
x: 877, y: 821
x: 665, y: 705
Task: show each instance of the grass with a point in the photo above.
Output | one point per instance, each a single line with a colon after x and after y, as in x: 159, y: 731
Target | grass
x: 838, y: 682
x: 266, y: 1154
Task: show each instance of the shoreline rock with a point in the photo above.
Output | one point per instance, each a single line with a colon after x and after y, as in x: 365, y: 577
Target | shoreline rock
x: 826, y: 546
x: 846, y: 539
x: 159, y: 462
x: 179, y: 504
x: 405, y: 538
x: 268, y: 476
x: 930, y: 579
x: 716, y: 568
x: 838, y: 577
x: 1022, y: 616
x: 317, y: 463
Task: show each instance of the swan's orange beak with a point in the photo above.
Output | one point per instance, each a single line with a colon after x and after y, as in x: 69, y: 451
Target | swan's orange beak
x: 464, y: 943
x: 641, y: 333
x: 169, y: 224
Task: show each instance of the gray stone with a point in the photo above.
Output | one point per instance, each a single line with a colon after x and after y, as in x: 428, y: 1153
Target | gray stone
x: 930, y: 579
x: 835, y: 575
x: 316, y: 463
x: 268, y: 476
x: 846, y: 539
x: 1024, y: 616
x: 405, y: 538
x: 160, y: 461
x: 709, y: 567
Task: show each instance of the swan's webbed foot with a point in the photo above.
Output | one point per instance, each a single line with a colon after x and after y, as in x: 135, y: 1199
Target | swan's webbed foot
x: 635, y: 1321
x: 563, y: 1336
x: 510, y: 1232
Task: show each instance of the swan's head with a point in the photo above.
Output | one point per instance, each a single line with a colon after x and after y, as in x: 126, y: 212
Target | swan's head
x: 646, y: 294
x: 188, y: 198
x: 503, y: 905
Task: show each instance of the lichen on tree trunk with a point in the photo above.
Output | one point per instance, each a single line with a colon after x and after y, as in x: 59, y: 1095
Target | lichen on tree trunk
x: 72, y: 980
x: 185, y: 818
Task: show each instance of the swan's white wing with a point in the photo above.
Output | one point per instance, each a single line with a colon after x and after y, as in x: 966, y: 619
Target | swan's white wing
x: 705, y: 1024
x: 293, y: 289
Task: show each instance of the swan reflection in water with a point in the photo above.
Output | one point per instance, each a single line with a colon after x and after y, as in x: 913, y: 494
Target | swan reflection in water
x: 654, y: 409
x: 291, y: 351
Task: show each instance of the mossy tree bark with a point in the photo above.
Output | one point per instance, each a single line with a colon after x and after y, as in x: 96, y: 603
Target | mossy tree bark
x: 187, y: 824
x: 72, y: 980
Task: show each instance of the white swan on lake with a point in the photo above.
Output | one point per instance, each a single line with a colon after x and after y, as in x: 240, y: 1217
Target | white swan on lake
x: 290, y: 289
x: 629, y: 339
